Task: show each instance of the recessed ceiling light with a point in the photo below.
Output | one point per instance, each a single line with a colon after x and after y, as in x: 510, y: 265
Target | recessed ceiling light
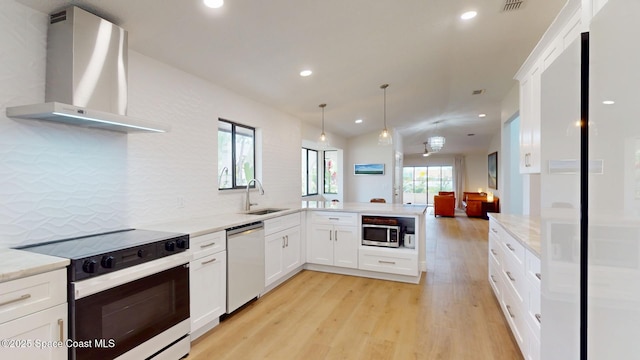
x: 306, y: 73
x: 214, y: 4
x: 482, y: 115
x: 468, y: 15
x: 358, y: 121
x: 608, y: 102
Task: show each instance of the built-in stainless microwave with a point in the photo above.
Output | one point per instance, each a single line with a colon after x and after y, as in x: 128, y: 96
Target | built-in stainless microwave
x: 381, y: 235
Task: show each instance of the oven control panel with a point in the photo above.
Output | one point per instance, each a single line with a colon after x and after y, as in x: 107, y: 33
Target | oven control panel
x: 120, y: 259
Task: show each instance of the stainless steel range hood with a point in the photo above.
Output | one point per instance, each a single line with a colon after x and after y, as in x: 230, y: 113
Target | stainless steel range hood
x: 86, y: 83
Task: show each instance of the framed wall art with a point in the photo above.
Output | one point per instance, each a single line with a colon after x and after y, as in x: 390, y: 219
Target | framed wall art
x: 493, y: 170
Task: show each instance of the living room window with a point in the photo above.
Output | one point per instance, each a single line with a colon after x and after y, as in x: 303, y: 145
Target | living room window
x: 309, y: 172
x: 236, y: 154
x: 421, y: 183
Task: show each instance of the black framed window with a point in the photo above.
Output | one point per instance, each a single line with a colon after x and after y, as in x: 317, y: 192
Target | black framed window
x: 309, y: 172
x: 236, y: 154
x: 330, y: 171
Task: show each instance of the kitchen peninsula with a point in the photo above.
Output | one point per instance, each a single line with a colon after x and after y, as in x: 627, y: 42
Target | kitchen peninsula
x: 310, y: 235
x: 318, y: 220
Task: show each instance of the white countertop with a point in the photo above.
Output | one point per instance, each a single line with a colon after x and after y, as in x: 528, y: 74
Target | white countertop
x: 208, y: 224
x: 524, y: 228
x: 16, y: 264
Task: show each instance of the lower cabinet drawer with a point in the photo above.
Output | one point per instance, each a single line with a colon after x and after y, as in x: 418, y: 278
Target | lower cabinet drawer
x: 401, y: 264
x: 534, y: 316
x: 204, y: 245
x: 516, y: 319
x: 28, y: 295
x: 495, y: 279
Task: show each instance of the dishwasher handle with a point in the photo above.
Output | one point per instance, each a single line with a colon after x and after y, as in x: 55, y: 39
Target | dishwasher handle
x: 236, y: 230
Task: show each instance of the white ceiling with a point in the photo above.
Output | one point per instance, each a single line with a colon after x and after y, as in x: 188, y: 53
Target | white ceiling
x: 430, y: 58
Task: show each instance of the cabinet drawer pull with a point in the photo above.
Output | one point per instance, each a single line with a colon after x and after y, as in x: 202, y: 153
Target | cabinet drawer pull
x: 61, y: 328
x: 494, y: 230
x: 538, y: 317
x: 332, y: 218
x: 493, y: 279
x: 387, y: 262
x: 23, y: 297
x: 539, y: 276
x: 209, y: 261
x: 509, y: 311
x: 207, y: 245
x: 494, y: 252
x: 510, y: 277
x: 510, y: 247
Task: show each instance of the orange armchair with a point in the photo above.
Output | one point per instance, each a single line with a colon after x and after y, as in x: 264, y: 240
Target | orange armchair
x: 444, y: 204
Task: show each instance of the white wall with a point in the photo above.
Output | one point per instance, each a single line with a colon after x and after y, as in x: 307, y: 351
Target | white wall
x: 476, y: 171
x: 58, y: 181
x: 364, y: 149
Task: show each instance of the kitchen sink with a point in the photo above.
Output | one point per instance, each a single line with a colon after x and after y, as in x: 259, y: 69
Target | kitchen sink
x: 264, y: 211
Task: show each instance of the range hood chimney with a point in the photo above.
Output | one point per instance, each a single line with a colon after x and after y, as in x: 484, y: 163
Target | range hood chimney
x: 86, y: 83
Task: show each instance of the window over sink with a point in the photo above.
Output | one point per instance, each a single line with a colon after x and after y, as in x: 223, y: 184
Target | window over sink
x: 236, y: 154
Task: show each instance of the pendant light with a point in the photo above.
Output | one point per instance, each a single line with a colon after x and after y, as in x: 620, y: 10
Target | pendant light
x: 426, y: 151
x: 436, y: 142
x: 323, y: 137
x: 385, y: 136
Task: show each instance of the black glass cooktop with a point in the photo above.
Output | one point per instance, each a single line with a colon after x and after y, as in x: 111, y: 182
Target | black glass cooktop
x: 99, y: 244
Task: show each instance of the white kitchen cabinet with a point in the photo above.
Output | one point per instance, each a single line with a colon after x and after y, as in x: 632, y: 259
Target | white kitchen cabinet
x: 40, y: 335
x: 333, y: 239
x: 559, y: 36
x: 282, y: 253
x: 283, y: 246
x: 33, y: 313
x: 530, y: 120
x: 514, y: 275
x: 207, y: 281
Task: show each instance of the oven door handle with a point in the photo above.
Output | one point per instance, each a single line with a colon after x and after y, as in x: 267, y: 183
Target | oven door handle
x: 100, y: 283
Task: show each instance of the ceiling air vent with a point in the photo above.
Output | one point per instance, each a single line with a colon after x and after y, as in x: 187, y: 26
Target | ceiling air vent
x: 478, y: 92
x: 511, y: 5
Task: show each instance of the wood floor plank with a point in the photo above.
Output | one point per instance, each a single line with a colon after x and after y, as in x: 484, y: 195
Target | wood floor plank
x: 452, y: 314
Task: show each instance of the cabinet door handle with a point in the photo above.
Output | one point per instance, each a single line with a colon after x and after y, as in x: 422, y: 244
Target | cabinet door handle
x: 336, y: 235
x: 61, y: 328
x: 538, y: 317
x: 23, y: 297
x: 539, y: 276
x: 510, y: 277
x: 207, y: 245
x: 330, y: 235
x: 208, y: 261
x: 509, y: 311
x: 387, y: 262
x: 287, y: 236
x: 510, y: 247
x: 493, y: 279
x: 494, y: 252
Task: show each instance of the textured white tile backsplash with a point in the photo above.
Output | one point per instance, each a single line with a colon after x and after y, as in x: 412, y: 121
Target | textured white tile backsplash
x: 58, y: 180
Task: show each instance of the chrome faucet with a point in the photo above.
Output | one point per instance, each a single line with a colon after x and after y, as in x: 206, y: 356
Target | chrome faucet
x: 247, y: 204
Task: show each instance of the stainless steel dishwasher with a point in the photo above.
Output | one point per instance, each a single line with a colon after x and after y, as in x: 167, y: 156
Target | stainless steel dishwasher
x: 245, y: 264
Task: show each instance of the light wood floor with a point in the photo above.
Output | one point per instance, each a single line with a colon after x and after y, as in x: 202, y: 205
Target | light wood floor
x: 451, y: 314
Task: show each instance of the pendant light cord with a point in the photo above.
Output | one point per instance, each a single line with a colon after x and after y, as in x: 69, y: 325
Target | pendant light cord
x: 384, y: 89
